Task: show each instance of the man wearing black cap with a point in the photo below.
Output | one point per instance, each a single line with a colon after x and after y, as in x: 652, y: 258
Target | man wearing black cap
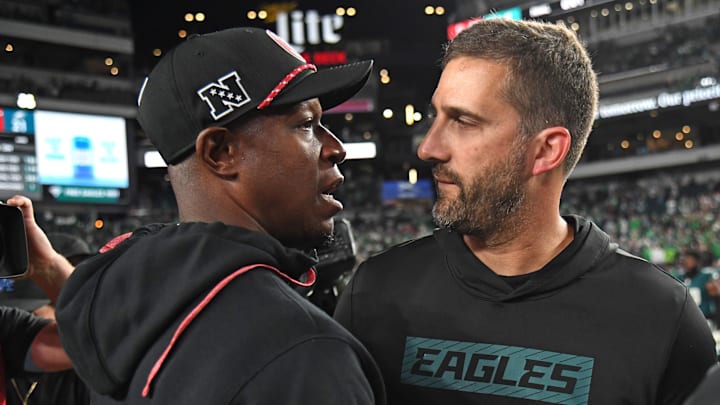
x: 203, y: 312
x: 72, y: 247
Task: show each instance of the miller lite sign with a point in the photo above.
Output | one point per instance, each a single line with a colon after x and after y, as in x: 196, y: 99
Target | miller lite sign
x: 308, y: 28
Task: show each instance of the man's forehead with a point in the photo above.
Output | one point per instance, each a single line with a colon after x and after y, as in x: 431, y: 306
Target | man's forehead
x: 310, y: 104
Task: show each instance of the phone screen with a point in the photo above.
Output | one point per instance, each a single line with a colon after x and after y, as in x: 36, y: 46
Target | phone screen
x: 13, y: 242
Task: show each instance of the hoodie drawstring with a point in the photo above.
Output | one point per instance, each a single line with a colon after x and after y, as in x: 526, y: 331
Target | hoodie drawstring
x: 205, y: 301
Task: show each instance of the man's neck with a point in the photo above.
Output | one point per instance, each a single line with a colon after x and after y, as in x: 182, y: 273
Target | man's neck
x: 535, y: 246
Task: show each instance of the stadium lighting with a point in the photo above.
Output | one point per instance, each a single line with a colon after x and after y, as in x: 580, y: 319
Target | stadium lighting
x: 360, y: 150
x: 708, y: 81
x: 409, y: 114
x: 26, y: 101
x: 412, y: 176
x: 152, y: 159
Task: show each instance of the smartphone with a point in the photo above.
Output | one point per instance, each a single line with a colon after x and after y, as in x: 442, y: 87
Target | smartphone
x: 13, y: 242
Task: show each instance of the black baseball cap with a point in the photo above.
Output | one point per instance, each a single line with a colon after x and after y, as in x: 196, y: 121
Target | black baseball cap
x: 213, y: 79
x: 70, y: 246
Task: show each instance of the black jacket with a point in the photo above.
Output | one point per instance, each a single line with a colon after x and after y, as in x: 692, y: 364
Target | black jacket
x: 594, y: 326
x: 166, y: 314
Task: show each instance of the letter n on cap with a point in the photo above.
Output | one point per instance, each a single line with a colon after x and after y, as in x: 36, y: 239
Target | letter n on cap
x: 224, y: 95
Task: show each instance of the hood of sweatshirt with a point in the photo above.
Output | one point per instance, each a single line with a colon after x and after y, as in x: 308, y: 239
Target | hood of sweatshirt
x: 588, y: 247
x: 115, y: 305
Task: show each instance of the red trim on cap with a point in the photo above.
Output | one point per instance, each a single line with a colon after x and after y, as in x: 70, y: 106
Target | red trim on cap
x: 204, y: 303
x: 284, y: 82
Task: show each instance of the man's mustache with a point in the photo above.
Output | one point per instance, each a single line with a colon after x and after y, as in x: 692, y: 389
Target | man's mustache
x: 442, y: 172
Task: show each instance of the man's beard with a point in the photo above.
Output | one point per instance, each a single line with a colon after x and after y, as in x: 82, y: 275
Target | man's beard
x: 489, y: 208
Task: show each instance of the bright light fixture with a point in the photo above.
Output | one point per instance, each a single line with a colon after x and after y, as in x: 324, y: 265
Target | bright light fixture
x: 26, y: 101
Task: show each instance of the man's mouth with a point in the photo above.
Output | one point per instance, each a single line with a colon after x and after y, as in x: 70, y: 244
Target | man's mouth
x: 327, y: 193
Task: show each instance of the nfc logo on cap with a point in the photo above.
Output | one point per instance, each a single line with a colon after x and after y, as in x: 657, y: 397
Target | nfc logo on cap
x: 224, y: 95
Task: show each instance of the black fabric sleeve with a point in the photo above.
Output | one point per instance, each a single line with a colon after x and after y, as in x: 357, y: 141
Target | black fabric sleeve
x: 343, y: 309
x: 320, y: 371
x: 708, y: 392
x: 17, y: 331
x: 692, y: 354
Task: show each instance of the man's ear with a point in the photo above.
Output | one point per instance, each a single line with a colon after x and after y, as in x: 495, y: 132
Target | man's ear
x: 215, y: 149
x: 551, y: 146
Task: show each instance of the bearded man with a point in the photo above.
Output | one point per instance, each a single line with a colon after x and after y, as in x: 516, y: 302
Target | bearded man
x: 510, y: 302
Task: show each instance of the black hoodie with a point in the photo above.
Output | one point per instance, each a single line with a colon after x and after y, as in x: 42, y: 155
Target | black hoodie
x: 594, y: 326
x: 172, y: 316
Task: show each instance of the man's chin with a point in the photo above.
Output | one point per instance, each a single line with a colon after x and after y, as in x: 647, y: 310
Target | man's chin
x: 318, y: 240
x: 442, y: 216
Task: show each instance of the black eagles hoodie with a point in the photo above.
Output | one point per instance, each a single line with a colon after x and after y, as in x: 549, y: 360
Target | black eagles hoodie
x: 201, y: 313
x: 594, y: 326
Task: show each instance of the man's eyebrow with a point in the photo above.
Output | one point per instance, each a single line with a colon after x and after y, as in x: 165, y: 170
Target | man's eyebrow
x: 455, y: 111
x: 291, y: 109
x: 306, y: 105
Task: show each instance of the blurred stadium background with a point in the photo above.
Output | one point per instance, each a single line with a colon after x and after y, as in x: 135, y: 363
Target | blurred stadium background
x: 70, y: 71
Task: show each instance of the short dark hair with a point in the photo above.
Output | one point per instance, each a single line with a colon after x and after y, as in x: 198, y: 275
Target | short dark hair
x: 550, y: 79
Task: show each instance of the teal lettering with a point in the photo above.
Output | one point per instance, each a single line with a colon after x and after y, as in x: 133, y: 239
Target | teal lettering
x: 531, y: 373
x: 487, y: 371
x: 422, y: 361
x: 453, y: 362
x: 500, y: 374
x: 557, y: 375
